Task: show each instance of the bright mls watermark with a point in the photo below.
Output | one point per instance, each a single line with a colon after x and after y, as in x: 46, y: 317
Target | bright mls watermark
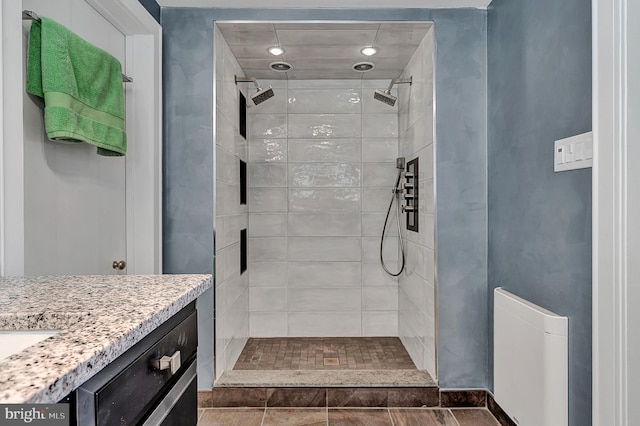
x: 34, y: 414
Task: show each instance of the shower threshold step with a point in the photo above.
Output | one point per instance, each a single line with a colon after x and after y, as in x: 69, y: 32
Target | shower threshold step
x: 325, y: 378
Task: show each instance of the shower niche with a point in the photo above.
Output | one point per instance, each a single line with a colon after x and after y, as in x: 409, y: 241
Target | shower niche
x: 411, y: 195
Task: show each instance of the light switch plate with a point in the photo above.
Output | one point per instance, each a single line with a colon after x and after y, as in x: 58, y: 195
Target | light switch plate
x: 573, y: 153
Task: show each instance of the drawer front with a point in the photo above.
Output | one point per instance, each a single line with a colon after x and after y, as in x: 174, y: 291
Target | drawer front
x: 185, y: 412
x: 127, y: 397
x: 180, y: 406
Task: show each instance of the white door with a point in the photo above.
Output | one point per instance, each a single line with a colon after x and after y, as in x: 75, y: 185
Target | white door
x: 74, y: 199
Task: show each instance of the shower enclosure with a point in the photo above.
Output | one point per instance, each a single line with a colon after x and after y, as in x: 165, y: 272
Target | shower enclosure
x: 299, y: 256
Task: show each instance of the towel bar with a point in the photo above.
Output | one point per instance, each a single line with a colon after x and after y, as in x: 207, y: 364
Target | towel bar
x: 29, y: 15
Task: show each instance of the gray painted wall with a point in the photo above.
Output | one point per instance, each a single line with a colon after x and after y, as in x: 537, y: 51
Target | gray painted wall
x: 461, y: 200
x: 188, y: 176
x: 461, y: 97
x: 540, y: 221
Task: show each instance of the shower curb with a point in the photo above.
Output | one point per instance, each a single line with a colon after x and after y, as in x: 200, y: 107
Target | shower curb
x: 325, y: 378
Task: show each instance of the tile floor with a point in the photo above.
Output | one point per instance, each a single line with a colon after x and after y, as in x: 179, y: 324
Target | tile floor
x: 343, y: 416
x: 324, y: 353
x: 336, y: 406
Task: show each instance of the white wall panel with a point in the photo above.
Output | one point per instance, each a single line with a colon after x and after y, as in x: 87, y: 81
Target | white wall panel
x: 232, y: 286
x: 338, y: 186
x: 416, y: 286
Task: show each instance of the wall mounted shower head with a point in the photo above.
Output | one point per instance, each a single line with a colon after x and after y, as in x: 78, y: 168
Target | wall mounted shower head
x: 261, y: 94
x: 385, y: 96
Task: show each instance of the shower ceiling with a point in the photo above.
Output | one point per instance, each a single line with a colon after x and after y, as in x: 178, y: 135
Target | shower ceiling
x: 324, y: 50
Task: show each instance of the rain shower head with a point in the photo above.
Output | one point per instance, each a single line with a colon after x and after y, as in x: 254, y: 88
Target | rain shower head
x: 261, y: 94
x: 385, y: 96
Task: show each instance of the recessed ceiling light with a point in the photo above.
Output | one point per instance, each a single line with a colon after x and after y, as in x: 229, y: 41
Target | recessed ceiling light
x: 369, y: 51
x: 276, y: 50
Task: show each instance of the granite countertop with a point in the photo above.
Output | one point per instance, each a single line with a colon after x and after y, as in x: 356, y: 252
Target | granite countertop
x: 100, y: 317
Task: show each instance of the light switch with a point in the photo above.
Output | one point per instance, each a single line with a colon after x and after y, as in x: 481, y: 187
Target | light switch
x: 560, y: 155
x: 578, y: 148
x: 575, y: 152
x: 568, y: 153
x: 588, y: 150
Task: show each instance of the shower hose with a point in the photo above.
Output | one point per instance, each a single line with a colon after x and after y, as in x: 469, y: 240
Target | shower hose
x: 396, y: 197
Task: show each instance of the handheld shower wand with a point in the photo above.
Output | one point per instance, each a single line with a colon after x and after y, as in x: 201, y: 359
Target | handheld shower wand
x: 397, y: 190
x: 261, y: 94
x: 385, y: 96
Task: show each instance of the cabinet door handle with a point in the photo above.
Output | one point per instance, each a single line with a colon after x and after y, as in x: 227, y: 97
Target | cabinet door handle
x: 171, y: 363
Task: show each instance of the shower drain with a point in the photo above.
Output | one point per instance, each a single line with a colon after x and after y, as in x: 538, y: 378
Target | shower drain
x: 331, y: 361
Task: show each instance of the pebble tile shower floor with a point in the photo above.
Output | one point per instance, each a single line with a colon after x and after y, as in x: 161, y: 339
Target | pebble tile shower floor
x: 324, y: 353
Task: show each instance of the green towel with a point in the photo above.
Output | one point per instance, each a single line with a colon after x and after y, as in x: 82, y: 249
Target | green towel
x: 81, y: 86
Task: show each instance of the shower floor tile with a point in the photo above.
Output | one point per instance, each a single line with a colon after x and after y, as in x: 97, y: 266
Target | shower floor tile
x: 324, y: 353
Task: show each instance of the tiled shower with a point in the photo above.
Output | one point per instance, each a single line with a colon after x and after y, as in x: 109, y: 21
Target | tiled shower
x: 320, y: 161
x: 308, y: 251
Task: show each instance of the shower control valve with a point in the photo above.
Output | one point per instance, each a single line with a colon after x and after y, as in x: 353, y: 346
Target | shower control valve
x: 411, y: 196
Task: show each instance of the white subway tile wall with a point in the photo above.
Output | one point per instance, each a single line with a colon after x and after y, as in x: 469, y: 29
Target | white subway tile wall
x: 375, y: 323
x: 325, y: 151
x: 325, y: 224
x: 318, y: 196
x: 324, y: 126
x: 323, y: 100
x: 267, y: 225
x: 321, y: 175
x: 324, y: 200
x: 267, y: 200
x: 416, y: 296
x: 337, y: 249
x: 232, y: 288
x: 268, y: 150
x: 324, y: 274
x: 319, y: 324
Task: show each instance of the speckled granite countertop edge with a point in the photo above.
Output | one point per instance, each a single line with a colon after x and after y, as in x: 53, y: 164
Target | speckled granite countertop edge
x: 90, y: 338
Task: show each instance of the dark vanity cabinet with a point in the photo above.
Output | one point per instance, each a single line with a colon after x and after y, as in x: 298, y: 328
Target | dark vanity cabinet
x: 153, y: 383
